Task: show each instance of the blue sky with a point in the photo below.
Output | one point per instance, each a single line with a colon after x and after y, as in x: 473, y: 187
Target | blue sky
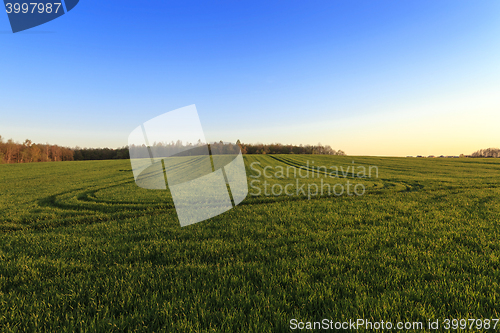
x: 368, y: 77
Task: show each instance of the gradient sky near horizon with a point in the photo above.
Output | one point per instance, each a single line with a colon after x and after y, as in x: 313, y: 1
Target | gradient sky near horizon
x: 391, y: 78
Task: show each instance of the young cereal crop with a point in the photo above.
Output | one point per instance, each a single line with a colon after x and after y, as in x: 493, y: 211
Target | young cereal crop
x: 83, y: 248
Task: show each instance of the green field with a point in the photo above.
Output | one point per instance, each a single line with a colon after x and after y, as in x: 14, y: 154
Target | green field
x: 82, y: 248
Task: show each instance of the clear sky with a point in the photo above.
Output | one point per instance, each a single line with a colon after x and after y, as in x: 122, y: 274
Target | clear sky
x: 401, y: 77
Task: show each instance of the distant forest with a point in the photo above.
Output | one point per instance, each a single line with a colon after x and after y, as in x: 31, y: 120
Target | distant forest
x: 28, y: 152
x: 12, y: 152
x: 490, y: 152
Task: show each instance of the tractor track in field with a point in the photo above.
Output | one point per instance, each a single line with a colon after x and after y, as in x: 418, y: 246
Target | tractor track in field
x: 386, y: 183
x: 86, y: 205
x: 82, y: 206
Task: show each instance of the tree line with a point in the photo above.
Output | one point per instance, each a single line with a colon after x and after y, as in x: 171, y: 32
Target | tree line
x: 490, y: 152
x: 184, y: 149
x: 28, y: 152
x: 87, y: 154
x: 278, y: 148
